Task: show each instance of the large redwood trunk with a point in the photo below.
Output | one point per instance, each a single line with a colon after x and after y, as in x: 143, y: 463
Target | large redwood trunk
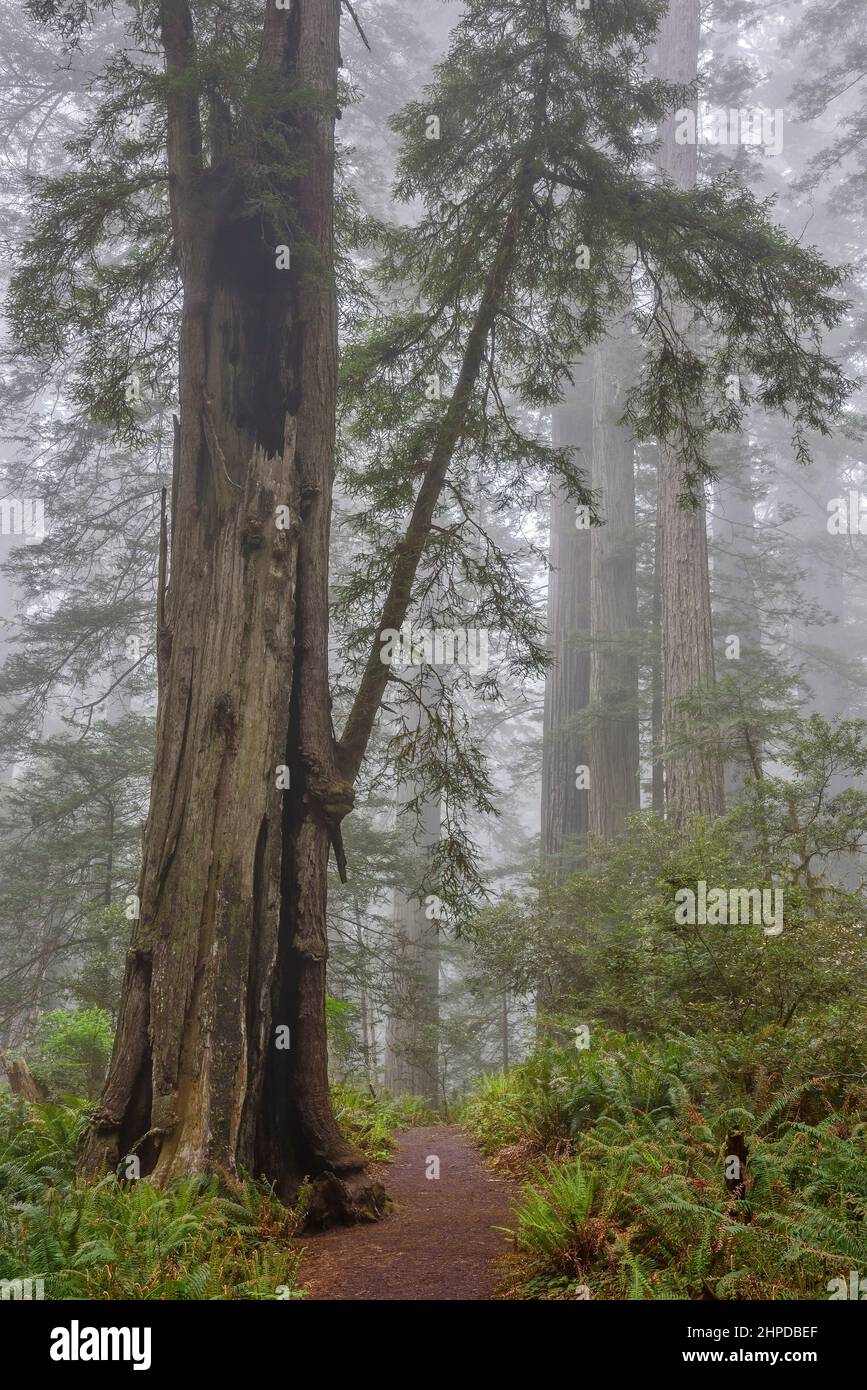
x: 230, y: 948
x: 733, y: 526
x: 565, y: 813
x: 694, y: 777
x: 565, y: 751
x: 614, y: 745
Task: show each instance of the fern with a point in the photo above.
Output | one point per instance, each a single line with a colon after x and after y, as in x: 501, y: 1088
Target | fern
x: 632, y: 1195
x: 113, y: 1240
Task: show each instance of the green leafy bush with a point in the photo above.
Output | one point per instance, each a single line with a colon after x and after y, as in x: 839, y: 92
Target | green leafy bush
x: 610, y: 936
x: 733, y: 1046
x: 71, y: 1051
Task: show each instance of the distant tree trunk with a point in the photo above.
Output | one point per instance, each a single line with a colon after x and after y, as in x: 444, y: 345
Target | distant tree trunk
x: 825, y: 645
x: 9, y: 599
x: 31, y: 999
x: 657, y: 737
x: 368, y: 1035
x: 565, y: 811
x: 227, y: 963
x: 504, y: 1030
x: 614, y: 743
x: 565, y: 757
x: 694, y: 780
x: 825, y: 632
x: 734, y: 546
x: 411, y: 1045
x: 115, y: 708
x: 108, y: 880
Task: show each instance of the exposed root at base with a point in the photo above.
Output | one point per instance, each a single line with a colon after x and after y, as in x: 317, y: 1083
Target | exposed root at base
x: 344, y: 1199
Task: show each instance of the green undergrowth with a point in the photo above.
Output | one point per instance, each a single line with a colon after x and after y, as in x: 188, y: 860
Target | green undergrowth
x: 372, y: 1122
x: 196, y: 1238
x: 624, y: 1150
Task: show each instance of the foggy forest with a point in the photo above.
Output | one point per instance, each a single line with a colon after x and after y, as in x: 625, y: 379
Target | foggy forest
x: 433, y: 581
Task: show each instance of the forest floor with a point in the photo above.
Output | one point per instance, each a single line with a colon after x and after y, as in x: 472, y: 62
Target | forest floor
x: 440, y: 1240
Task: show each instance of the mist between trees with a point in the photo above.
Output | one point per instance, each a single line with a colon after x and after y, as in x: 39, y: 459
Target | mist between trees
x: 434, y: 581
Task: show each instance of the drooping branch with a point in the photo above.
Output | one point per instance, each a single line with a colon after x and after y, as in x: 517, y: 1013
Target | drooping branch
x: 357, y: 22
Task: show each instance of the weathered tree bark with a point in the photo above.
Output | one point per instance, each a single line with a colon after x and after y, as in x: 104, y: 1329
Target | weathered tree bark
x: 694, y: 780
x: 613, y: 741
x: 21, y: 1080
x: 230, y: 948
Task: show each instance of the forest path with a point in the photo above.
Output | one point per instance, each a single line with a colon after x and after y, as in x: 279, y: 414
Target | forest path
x: 437, y: 1243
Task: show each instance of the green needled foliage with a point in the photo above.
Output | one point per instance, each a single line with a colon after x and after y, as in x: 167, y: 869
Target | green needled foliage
x: 538, y: 87
x: 534, y: 219
x: 97, y: 286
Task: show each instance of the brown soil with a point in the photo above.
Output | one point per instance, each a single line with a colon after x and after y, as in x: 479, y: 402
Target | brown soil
x: 439, y: 1242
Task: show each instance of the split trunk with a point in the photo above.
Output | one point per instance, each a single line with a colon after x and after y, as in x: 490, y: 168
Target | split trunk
x: 220, y: 1060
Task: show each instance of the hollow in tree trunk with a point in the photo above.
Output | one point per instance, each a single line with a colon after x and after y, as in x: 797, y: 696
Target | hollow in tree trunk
x: 220, y: 1060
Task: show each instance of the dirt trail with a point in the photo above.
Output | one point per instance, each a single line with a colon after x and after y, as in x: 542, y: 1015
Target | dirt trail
x: 438, y: 1243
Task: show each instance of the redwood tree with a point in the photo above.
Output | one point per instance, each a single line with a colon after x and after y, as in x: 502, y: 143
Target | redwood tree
x: 412, y: 1032
x: 221, y: 1050
x: 565, y: 813
x: 614, y: 743
x: 220, y: 1056
x: 694, y: 769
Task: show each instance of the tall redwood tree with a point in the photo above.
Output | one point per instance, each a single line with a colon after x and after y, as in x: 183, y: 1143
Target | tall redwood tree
x: 220, y: 1057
